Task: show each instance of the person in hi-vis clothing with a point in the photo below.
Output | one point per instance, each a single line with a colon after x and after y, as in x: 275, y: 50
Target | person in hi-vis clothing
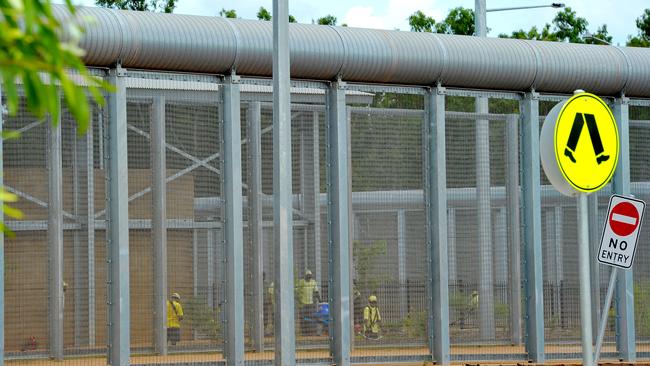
x: 174, y: 318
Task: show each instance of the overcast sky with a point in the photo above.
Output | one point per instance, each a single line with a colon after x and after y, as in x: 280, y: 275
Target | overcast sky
x: 393, y: 14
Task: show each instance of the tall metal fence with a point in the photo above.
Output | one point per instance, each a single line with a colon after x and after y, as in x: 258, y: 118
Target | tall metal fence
x: 176, y: 121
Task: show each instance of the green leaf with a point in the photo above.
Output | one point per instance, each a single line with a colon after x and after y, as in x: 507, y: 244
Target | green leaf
x: 7, y: 232
x: 7, y: 196
x: 11, y: 92
x: 12, y: 212
x: 10, y: 134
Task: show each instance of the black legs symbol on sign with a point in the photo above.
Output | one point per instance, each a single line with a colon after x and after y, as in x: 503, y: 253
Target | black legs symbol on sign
x: 594, y: 135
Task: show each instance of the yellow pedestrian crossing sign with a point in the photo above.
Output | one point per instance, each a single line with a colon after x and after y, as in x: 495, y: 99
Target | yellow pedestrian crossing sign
x: 585, y: 144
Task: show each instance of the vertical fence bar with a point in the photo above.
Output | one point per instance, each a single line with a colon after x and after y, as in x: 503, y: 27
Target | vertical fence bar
x: 500, y: 248
x: 401, y: 261
x: 339, y: 223
x: 595, y: 230
x: 487, y: 329
x: 354, y: 223
x: 451, y: 245
x: 558, y: 247
x: 90, y: 229
x: 310, y: 188
x: 285, y: 345
x: 514, y: 224
x: 78, y: 280
x: 625, y: 327
x: 55, y: 239
x: 118, y: 233
x: 532, y: 235
x: 2, y: 241
x: 233, y: 221
x: 211, y: 237
x: 585, y: 283
x: 255, y: 221
x: 159, y: 223
x: 436, y: 206
x: 314, y: 187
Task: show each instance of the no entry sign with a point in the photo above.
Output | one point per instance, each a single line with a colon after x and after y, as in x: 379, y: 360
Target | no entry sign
x: 621, y: 232
x: 624, y: 219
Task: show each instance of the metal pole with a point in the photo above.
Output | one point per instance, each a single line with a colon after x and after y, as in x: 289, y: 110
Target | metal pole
x: 55, y: 240
x: 501, y: 246
x: 625, y: 327
x: 558, y: 251
x: 118, y: 233
x: 514, y: 224
x: 339, y: 223
x: 532, y: 225
x: 605, y: 313
x: 255, y: 221
x: 436, y: 215
x: 594, y: 241
x: 487, y: 328
x: 212, y: 239
x: 314, y: 159
x: 77, y: 252
x: 486, y: 281
x: 480, y: 22
x: 310, y: 188
x: 159, y: 223
x: 354, y: 224
x: 232, y: 194
x: 554, y: 5
x: 285, y: 347
x: 2, y: 246
x: 90, y: 227
x: 401, y: 260
x: 585, y: 283
x: 195, y: 262
x: 451, y: 245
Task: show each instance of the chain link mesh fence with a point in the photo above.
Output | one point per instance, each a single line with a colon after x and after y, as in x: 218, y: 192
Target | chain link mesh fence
x: 388, y: 236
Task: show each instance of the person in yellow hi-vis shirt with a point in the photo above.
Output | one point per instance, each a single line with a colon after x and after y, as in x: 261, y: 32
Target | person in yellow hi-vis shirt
x: 371, y: 319
x: 174, y: 318
x: 307, y: 297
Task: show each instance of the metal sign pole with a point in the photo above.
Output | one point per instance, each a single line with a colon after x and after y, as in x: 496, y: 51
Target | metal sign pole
x: 585, y: 286
x: 605, y: 312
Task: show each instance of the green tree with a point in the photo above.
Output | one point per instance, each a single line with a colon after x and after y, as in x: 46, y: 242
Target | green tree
x: 420, y: 22
x: 164, y: 6
x: 569, y: 27
x: 545, y: 35
x: 600, y: 37
x: 36, y: 59
x: 643, y: 23
x: 264, y: 14
x: 643, y: 37
x: 232, y: 13
x: 327, y: 20
x: 459, y: 21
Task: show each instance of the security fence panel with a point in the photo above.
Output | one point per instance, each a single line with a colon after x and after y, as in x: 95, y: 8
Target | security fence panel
x: 57, y: 258
x: 310, y: 254
x: 26, y: 251
x: 389, y: 246
x: 640, y: 188
x: 139, y: 114
x: 481, y: 267
x: 177, y: 249
x: 560, y: 265
x: 194, y: 215
x: 29, y: 285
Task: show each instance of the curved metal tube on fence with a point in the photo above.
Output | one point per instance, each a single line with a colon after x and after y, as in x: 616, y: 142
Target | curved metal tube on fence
x: 217, y: 45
